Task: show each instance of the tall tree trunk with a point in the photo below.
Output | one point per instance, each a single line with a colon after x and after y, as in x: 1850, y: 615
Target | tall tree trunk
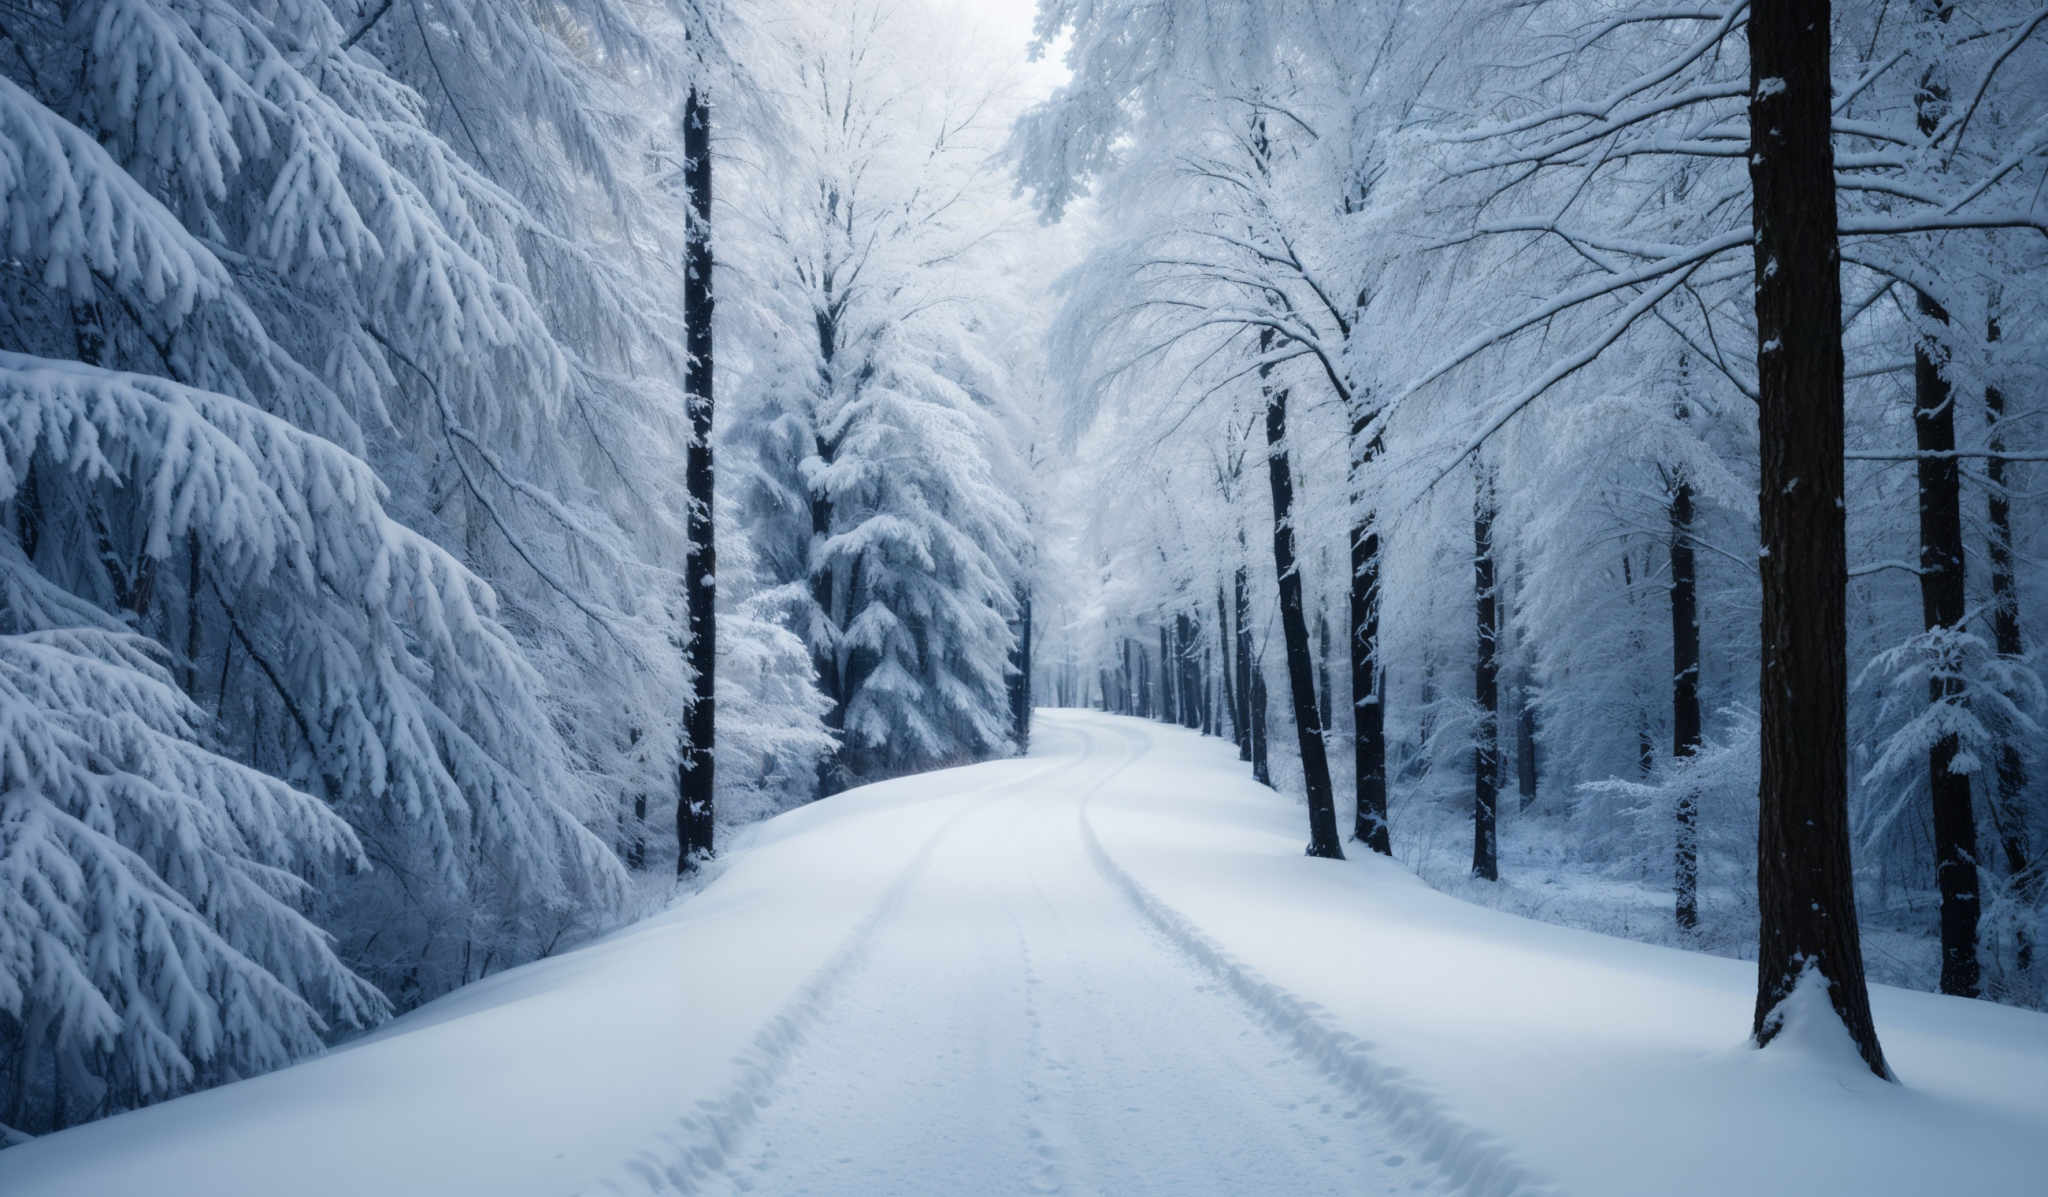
x: 1169, y: 680
x: 694, y: 809
x: 1020, y: 686
x: 2008, y: 812
x: 1941, y: 605
x: 1526, y: 775
x: 1526, y: 771
x: 1368, y: 712
x: 1185, y: 634
x: 1206, y: 664
x: 1326, y: 713
x: 1485, y: 687
x: 1231, y: 706
x: 1805, y: 892
x: 1254, y: 716
x: 1685, y: 700
x: 1323, y: 840
x: 1144, y: 681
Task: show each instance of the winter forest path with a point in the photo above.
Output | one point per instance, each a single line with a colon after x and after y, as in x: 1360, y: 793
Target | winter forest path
x: 1018, y: 1025
x: 1105, y: 968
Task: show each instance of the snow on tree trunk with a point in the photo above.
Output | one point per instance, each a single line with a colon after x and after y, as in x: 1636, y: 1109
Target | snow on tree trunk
x: 1323, y: 839
x: 696, y: 823
x: 1805, y: 891
x: 1485, y: 686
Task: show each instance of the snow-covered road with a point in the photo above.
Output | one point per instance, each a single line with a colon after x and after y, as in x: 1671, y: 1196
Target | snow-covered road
x: 1015, y: 1023
x: 1104, y: 968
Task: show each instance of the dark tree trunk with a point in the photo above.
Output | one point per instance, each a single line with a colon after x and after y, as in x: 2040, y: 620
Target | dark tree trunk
x: 1185, y: 634
x: 1206, y: 664
x: 1685, y: 700
x: 1805, y: 891
x: 1020, y: 683
x: 2008, y: 812
x: 1262, y: 767
x: 1231, y: 706
x: 1323, y: 840
x: 1325, y: 708
x: 1485, y: 689
x: 1169, y: 680
x: 1252, y: 729
x: 694, y: 809
x: 1941, y: 604
x: 1144, y: 710
x: 1527, y: 774
x: 1368, y: 713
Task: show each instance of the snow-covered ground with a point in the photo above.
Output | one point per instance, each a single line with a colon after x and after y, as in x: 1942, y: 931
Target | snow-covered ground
x: 1106, y: 968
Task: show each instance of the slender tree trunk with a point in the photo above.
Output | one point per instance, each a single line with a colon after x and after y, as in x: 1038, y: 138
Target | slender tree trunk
x: 1144, y: 681
x: 1315, y: 767
x: 1805, y: 892
x: 2008, y: 812
x: 1169, y: 680
x: 1485, y: 688
x: 1646, y: 745
x: 1020, y: 686
x: 1210, y: 721
x: 1685, y: 700
x: 694, y: 809
x: 1368, y: 712
x: 1941, y: 603
x: 1526, y: 763
x: 1231, y: 706
x: 1187, y: 634
x: 1325, y: 708
x: 1252, y: 729
x: 1526, y: 774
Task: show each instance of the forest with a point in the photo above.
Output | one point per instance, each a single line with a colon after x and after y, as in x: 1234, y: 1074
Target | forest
x: 474, y: 476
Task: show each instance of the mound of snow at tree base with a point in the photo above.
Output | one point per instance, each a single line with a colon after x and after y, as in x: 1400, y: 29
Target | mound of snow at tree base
x: 1523, y: 1057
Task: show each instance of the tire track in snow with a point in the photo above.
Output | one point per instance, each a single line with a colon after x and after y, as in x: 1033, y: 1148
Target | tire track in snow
x: 704, y: 1142
x: 1468, y: 1159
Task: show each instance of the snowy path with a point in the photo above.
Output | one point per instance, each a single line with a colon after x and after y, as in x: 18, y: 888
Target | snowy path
x: 1106, y: 968
x: 1018, y: 1025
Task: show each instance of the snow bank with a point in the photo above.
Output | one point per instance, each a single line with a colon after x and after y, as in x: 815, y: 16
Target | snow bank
x: 548, y: 1078
x: 1594, y: 1064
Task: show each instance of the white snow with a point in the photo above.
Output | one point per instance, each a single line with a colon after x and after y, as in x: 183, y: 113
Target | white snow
x: 1106, y: 968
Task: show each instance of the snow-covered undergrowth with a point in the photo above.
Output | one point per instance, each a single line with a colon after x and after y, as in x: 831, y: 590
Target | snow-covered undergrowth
x: 1547, y: 875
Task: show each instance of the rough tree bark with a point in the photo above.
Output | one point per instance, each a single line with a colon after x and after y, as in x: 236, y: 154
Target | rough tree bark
x: 1232, y: 707
x: 697, y: 774
x: 1368, y: 713
x: 1685, y: 698
x: 1942, y: 601
x: 1020, y: 684
x: 1485, y: 687
x: 2007, y: 813
x: 1169, y: 679
x: 1247, y: 673
x: 1326, y: 713
x: 1805, y: 893
x: 1323, y: 840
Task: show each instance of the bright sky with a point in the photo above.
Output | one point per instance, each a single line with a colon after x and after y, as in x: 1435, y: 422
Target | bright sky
x: 1007, y: 24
